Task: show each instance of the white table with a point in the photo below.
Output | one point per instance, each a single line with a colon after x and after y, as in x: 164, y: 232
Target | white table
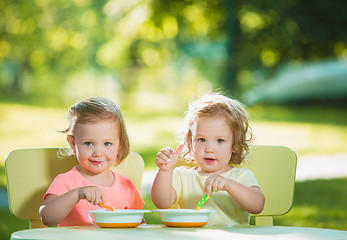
x: 152, y: 232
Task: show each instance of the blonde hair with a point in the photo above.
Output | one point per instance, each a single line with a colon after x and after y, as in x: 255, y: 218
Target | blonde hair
x: 215, y: 104
x: 95, y: 109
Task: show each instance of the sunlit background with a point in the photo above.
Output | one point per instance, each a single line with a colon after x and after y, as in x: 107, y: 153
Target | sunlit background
x: 286, y: 60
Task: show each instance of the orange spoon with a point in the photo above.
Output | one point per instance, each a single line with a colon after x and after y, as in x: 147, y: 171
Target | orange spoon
x: 105, y: 206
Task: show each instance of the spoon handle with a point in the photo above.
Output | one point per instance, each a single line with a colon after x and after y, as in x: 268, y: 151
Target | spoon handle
x: 105, y: 206
x: 202, y: 201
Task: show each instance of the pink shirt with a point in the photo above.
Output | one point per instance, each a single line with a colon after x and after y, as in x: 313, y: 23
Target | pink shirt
x: 120, y: 195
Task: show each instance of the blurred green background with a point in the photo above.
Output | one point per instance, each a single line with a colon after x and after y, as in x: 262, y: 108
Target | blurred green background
x: 287, y: 60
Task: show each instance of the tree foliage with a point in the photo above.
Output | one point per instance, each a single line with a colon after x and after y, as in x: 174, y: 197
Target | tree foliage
x: 53, y: 48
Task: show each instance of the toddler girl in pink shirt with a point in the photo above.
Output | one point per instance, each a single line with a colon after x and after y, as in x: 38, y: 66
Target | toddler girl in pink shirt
x: 97, y: 136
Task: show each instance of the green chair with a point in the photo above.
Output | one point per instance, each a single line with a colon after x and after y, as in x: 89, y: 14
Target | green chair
x: 275, y: 168
x: 29, y: 172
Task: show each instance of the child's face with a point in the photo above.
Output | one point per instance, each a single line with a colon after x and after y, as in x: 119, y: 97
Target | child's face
x: 96, y: 145
x: 212, y: 141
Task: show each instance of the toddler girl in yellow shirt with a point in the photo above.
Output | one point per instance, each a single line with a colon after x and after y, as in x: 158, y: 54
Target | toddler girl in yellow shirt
x: 217, y: 137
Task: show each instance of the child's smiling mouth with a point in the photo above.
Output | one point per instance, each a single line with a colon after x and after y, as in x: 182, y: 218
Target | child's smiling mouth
x: 97, y: 162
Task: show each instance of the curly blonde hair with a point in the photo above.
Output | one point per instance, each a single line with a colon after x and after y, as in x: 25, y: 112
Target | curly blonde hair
x: 95, y: 109
x: 215, y: 104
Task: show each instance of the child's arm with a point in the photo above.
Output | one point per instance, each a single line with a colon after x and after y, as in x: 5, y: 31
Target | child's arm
x: 250, y: 199
x: 163, y: 194
x: 55, y: 208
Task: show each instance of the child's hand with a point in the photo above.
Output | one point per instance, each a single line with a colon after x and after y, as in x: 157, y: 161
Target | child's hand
x: 92, y: 194
x: 216, y: 183
x: 167, y: 158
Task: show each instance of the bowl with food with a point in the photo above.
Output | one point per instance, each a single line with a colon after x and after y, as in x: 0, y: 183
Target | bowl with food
x: 122, y: 218
x: 184, y: 217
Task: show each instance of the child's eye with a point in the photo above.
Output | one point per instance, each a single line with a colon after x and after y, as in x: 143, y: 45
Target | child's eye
x: 88, y: 143
x: 201, y: 140
x: 220, y: 141
x: 107, y: 144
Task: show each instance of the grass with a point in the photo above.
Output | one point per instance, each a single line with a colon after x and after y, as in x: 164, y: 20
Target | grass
x: 318, y: 203
x: 306, y: 129
x: 10, y: 224
x: 309, y: 130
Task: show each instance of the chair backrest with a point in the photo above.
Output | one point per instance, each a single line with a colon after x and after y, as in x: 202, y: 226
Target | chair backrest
x: 29, y: 172
x: 275, y: 168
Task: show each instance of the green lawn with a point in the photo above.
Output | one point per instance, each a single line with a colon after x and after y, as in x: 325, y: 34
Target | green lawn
x: 318, y: 203
x: 305, y: 129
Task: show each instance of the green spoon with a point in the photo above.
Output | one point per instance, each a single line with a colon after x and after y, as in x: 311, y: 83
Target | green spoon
x: 202, y: 201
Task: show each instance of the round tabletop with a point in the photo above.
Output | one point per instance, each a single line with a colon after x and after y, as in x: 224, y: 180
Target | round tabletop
x: 152, y: 232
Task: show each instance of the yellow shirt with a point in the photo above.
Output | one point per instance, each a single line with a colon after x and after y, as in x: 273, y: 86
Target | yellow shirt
x: 189, y: 186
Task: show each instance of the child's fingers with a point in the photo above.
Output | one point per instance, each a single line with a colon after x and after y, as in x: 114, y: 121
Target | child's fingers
x: 96, y: 198
x: 208, y: 188
x: 165, y: 153
x: 210, y: 184
x: 177, y: 153
x: 163, y: 156
x: 84, y: 193
x: 216, y: 183
x: 167, y: 157
x: 103, y: 198
x: 89, y: 196
x: 161, y: 159
x: 100, y: 196
x: 92, y: 194
x: 168, y: 151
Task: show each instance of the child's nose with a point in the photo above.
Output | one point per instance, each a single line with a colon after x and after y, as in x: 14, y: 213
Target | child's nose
x: 97, y: 151
x: 208, y: 148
